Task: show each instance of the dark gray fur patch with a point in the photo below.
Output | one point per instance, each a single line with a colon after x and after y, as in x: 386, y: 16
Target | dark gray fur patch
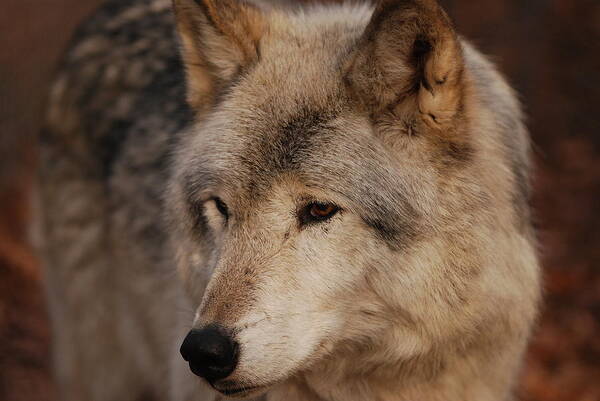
x: 154, y: 94
x: 296, y: 137
x: 378, y: 196
x: 282, y: 148
x: 452, y: 152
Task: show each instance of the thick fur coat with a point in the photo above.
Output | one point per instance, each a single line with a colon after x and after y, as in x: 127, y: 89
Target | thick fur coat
x: 342, y: 189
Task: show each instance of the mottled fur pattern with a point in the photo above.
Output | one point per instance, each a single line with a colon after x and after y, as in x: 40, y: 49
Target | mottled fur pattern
x: 423, y: 287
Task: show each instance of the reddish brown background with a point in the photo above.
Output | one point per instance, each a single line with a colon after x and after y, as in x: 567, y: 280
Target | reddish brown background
x: 550, y: 50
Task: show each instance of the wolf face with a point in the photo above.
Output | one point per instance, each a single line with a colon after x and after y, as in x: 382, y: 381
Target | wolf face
x: 333, y: 201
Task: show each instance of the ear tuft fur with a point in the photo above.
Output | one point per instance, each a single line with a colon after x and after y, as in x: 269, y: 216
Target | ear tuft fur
x: 410, y: 55
x: 219, y: 38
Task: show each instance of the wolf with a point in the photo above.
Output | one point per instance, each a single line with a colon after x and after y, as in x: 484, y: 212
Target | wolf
x: 326, y: 202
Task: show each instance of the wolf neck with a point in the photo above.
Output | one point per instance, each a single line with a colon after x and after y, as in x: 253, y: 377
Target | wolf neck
x: 437, y: 376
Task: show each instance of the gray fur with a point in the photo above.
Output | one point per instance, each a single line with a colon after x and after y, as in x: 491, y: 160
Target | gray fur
x: 423, y: 287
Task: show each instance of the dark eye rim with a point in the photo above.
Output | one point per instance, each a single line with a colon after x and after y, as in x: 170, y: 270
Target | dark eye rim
x: 306, y: 215
x: 221, y: 207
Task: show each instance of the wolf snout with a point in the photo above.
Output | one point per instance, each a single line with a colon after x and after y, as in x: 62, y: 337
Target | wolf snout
x: 211, y: 352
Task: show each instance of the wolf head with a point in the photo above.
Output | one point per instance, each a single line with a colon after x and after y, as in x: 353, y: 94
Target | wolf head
x: 333, y: 197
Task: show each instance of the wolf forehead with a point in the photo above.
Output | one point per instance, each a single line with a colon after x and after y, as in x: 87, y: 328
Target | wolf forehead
x: 323, y: 150
x: 290, y: 115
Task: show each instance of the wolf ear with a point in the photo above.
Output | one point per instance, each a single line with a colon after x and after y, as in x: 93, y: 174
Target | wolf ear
x: 409, y: 57
x: 218, y: 39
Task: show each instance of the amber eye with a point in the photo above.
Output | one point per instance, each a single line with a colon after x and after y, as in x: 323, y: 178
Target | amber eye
x: 318, y: 211
x: 322, y: 210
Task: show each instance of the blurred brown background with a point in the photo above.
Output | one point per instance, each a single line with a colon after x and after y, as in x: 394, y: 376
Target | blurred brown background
x: 550, y: 50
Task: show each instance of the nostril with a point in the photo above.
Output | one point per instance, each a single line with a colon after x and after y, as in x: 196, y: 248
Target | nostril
x: 210, y: 352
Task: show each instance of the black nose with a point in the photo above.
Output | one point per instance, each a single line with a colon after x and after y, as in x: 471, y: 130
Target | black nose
x: 211, y: 353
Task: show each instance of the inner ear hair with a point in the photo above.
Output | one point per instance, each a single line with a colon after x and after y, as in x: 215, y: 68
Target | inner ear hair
x: 219, y: 38
x: 409, y: 58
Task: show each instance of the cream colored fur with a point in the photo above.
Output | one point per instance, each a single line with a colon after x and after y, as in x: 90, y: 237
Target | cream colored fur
x: 423, y: 287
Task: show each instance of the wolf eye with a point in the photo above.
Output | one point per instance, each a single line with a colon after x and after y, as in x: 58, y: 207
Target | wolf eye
x: 221, y: 207
x: 318, y: 211
x: 322, y: 210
